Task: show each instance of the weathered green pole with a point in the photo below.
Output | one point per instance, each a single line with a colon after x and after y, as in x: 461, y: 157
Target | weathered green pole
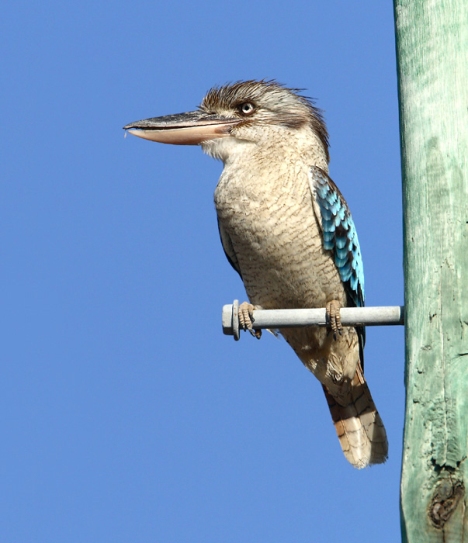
x: 432, y: 50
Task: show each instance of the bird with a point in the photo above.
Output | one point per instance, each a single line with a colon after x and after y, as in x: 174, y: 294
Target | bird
x: 287, y: 230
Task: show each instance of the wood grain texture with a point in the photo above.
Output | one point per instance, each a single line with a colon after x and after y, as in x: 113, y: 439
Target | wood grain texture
x: 432, y: 48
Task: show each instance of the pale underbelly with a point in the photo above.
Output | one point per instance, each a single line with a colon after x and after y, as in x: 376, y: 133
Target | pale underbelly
x: 283, y: 263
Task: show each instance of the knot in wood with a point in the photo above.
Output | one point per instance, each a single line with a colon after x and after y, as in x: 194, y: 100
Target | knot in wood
x: 445, y: 499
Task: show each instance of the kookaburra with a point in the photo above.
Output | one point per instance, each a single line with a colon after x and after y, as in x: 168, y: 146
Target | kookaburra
x: 287, y: 230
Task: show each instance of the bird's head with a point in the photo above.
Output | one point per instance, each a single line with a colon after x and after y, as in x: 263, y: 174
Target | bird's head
x: 242, y: 112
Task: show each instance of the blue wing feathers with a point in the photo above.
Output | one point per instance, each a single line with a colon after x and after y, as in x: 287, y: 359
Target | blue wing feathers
x: 339, y: 235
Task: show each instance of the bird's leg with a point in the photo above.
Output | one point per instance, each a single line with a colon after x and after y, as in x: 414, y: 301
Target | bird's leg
x: 246, y: 319
x: 333, y: 314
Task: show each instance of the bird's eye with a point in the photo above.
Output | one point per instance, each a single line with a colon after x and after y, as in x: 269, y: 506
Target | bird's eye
x: 246, y: 108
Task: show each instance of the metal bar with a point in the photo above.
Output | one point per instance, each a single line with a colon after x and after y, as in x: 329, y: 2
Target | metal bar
x: 294, y: 318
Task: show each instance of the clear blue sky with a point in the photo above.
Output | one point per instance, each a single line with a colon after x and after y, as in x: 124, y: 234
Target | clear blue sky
x: 126, y: 415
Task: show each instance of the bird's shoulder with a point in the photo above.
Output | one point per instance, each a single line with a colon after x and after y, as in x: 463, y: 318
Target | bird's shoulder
x: 339, y: 233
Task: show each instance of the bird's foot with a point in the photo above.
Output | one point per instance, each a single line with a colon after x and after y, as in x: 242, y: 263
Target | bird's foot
x: 246, y: 319
x: 334, y: 318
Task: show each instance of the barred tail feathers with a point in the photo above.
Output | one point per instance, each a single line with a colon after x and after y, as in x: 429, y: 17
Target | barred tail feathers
x: 358, y: 425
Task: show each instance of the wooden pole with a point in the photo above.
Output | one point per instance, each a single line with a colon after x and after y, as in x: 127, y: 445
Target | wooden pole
x: 432, y: 51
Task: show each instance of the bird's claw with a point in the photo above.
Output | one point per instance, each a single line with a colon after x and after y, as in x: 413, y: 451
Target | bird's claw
x: 246, y: 319
x: 334, y: 318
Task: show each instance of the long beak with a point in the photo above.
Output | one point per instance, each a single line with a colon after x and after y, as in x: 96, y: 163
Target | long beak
x: 191, y: 128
